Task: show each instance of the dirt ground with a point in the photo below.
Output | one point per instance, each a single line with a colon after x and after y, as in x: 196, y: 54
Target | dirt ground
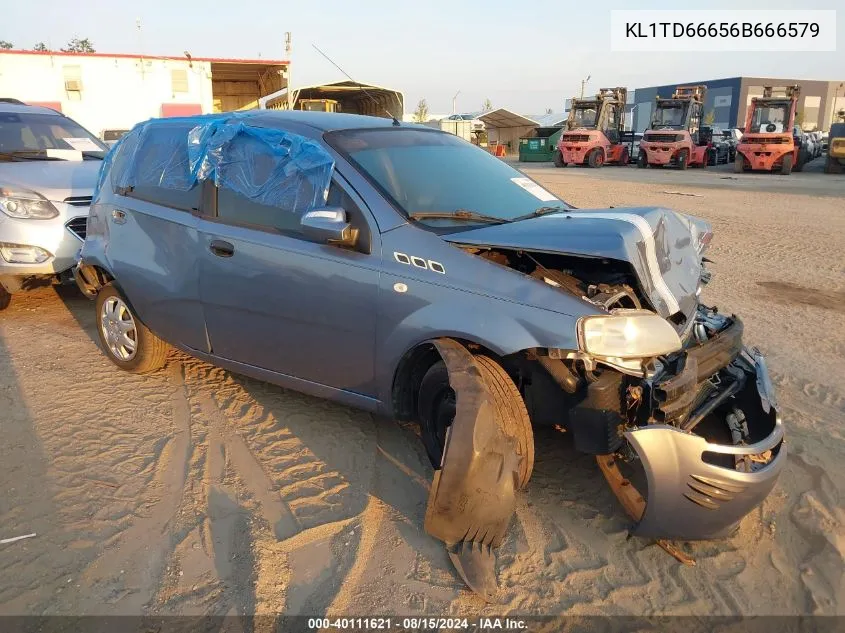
x: 198, y: 491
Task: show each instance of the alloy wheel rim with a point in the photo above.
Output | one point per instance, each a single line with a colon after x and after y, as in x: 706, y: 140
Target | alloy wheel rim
x: 118, y: 328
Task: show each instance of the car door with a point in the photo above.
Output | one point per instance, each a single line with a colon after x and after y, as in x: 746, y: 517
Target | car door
x: 153, y: 242
x: 274, y: 300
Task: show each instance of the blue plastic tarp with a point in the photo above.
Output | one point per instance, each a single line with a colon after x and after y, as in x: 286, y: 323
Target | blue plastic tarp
x: 266, y: 165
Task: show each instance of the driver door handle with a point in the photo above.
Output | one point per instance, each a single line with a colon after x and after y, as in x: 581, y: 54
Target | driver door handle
x: 222, y: 248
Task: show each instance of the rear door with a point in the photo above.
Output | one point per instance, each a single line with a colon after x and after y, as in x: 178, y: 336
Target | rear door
x: 274, y: 300
x: 153, y: 243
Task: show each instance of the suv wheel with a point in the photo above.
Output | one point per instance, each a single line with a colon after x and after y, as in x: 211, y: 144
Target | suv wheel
x: 124, y: 339
x: 436, y: 410
x: 5, y: 298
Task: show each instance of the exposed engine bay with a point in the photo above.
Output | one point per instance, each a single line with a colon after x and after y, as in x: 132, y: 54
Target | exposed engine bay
x: 701, y: 422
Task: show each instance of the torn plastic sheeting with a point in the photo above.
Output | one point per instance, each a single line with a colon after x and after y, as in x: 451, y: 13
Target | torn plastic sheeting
x: 266, y: 165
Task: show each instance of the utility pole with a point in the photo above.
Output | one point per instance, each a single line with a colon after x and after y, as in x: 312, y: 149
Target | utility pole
x: 454, y: 101
x: 584, y: 83
x: 287, y: 54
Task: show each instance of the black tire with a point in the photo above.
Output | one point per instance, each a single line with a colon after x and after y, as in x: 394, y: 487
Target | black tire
x: 832, y: 166
x: 739, y: 164
x: 559, y: 159
x: 624, y: 159
x: 712, y: 155
x: 150, y: 352
x: 682, y: 160
x: 642, y: 160
x: 596, y: 158
x: 5, y: 298
x: 786, y: 165
x: 511, y: 414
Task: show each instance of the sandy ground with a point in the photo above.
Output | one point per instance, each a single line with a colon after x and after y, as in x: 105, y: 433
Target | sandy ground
x: 194, y: 490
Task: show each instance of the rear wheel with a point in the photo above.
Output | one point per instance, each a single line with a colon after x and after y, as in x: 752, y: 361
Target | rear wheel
x: 436, y: 404
x: 786, y: 165
x: 642, y: 160
x: 682, y: 159
x: 5, y: 298
x: 124, y: 339
x: 559, y: 159
x: 624, y: 159
x: 596, y: 158
x: 739, y: 164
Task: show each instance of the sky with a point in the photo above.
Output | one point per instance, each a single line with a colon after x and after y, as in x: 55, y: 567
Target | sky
x: 525, y: 56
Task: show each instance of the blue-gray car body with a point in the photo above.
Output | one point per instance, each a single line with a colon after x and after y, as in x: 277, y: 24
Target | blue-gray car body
x: 344, y: 322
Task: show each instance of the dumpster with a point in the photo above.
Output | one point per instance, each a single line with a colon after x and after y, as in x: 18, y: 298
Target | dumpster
x: 539, y: 146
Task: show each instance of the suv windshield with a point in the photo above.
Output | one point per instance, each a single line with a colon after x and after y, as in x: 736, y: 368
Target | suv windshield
x: 771, y: 117
x: 433, y: 172
x: 668, y: 116
x: 28, y: 135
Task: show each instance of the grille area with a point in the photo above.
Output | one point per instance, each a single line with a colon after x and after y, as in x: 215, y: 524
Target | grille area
x: 576, y: 138
x: 778, y: 140
x: 661, y: 138
x: 78, y: 201
x: 78, y: 227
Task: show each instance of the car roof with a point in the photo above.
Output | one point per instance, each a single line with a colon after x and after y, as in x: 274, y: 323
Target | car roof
x: 326, y: 121
x: 5, y: 106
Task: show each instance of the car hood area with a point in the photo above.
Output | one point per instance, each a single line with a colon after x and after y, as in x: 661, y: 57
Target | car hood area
x: 56, y: 180
x: 662, y: 246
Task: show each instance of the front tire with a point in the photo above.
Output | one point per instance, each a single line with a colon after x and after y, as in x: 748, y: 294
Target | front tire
x: 786, y: 165
x: 436, y: 410
x: 642, y: 160
x: 559, y: 159
x: 682, y: 161
x: 624, y: 159
x: 124, y: 339
x: 5, y: 298
x: 739, y: 164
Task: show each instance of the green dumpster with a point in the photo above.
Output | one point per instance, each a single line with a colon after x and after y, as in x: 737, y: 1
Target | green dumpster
x: 539, y: 146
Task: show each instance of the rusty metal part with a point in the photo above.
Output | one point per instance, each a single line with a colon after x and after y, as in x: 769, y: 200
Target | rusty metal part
x: 472, y: 497
x: 633, y: 502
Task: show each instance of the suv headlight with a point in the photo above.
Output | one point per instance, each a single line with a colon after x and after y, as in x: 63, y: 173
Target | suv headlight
x: 627, y: 334
x: 25, y: 204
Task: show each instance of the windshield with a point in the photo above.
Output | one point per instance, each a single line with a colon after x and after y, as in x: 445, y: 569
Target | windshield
x: 433, y: 172
x: 583, y: 116
x: 668, y: 116
x: 32, y: 134
x: 770, y: 117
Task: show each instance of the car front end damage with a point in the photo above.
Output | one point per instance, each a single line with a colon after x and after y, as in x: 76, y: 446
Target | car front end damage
x: 680, y: 415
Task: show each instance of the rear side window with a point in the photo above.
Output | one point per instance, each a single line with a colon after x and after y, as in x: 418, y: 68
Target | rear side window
x: 154, y: 161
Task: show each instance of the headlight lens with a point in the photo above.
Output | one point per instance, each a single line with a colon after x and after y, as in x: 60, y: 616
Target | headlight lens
x: 23, y: 254
x: 25, y: 204
x: 627, y: 334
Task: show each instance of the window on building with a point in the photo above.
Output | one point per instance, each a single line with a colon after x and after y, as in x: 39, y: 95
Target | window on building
x: 179, y: 80
x: 73, y: 82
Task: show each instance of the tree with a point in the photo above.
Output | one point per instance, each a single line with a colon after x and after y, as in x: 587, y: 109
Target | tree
x: 710, y: 117
x: 41, y: 47
x: 6, y: 45
x: 487, y: 105
x: 77, y: 45
x: 421, y: 113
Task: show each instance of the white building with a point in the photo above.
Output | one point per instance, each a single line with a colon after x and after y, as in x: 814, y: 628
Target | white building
x: 102, y: 91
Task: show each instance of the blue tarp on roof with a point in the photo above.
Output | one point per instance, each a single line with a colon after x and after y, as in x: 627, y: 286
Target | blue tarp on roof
x: 266, y: 165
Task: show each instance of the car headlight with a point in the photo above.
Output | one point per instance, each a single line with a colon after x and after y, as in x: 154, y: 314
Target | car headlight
x: 627, y: 334
x: 25, y: 204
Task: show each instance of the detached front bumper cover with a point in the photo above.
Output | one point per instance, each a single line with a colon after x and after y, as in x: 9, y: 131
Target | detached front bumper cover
x: 692, y: 499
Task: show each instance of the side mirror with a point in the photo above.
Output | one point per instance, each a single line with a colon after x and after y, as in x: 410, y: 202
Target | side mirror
x: 329, y: 226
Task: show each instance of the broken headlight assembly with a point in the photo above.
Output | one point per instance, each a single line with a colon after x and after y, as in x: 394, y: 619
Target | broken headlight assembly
x: 627, y: 334
x: 25, y: 204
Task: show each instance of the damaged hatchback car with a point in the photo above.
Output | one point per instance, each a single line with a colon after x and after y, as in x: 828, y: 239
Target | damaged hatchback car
x: 404, y: 271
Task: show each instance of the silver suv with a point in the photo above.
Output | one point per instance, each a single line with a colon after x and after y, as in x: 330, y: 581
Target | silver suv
x: 48, y: 169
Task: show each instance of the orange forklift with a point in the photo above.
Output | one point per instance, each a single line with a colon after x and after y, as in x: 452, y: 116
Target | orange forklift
x: 771, y: 141
x: 675, y: 136
x: 593, y: 133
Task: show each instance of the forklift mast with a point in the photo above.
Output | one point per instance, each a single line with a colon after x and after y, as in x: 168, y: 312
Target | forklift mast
x: 692, y: 100
x: 604, y: 100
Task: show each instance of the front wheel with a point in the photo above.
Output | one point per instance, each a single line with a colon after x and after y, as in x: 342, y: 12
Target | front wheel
x: 682, y: 160
x: 739, y: 164
x: 436, y: 405
x: 559, y: 159
x: 124, y: 339
x: 642, y: 160
x: 624, y: 159
x: 596, y: 158
x: 5, y: 298
x: 786, y: 165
